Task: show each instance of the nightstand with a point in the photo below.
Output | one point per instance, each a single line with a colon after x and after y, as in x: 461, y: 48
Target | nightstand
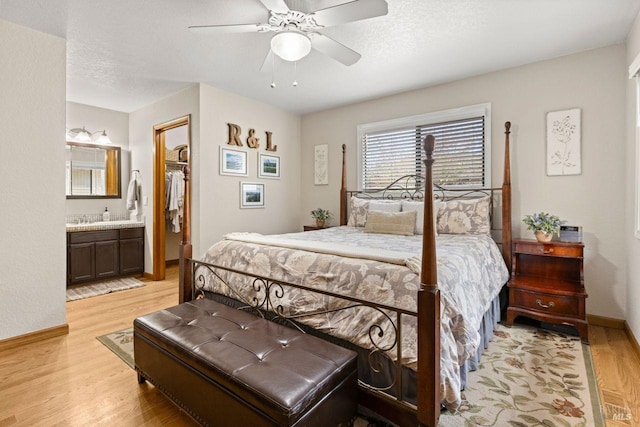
x: 547, y: 284
x: 314, y: 227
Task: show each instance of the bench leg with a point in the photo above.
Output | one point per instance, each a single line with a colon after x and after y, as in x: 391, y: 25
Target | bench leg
x: 141, y: 378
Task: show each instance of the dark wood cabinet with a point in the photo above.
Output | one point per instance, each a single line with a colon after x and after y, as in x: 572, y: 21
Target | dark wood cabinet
x: 547, y: 284
x: 95, y: 255
x: 132, y: 251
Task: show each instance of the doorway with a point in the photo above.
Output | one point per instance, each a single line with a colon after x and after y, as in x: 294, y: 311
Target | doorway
x: 172, y: 143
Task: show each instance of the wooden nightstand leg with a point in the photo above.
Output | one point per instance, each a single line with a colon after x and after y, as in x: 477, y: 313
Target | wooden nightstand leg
x: 511, y: 316
x: 583, y: 331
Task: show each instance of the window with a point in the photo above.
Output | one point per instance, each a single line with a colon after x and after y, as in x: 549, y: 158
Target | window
x: 634, y: 73
x: 390, y: 149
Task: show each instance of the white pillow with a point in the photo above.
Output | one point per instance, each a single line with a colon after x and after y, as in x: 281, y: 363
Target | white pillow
x: 385, y: 205
x: 411, y: 205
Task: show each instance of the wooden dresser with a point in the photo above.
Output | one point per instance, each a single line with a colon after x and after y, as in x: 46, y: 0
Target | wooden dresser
x: 547, y: 284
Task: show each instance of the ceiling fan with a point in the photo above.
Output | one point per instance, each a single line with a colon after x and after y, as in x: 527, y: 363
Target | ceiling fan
x: 296, y: 32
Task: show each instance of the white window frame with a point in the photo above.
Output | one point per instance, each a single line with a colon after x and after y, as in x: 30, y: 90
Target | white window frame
x: 634, y: 73
x: 460, y: 113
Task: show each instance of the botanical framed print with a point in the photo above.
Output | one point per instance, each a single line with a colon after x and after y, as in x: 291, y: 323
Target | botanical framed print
x: 563, y: 143
x: 233, y: 162
x: 321, y: 164
x: 251, y: 195
x: 268, y: 166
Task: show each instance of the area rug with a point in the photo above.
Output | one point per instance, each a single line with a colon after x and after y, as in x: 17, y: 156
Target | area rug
x: 76, y: 292
x: 527, y: 377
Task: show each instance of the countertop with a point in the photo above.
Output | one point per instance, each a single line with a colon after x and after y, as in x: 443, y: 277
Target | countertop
x: 104, y: 225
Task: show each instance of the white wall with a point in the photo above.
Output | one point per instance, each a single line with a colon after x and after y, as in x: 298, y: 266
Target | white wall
x: 632, y: 243
x: 32, y: 172
x: 116, y: 124
x: 215, y: 207
x: 593, y: 81
x: 141, y: 143
x: 219, y: 195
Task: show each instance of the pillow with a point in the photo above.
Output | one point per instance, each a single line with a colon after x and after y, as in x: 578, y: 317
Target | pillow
x: 357, y: 212
x: 359, y: 207
x: 385, y: 205
x: 464, y: 216
x: 401, y: 223
x: 418, y: 207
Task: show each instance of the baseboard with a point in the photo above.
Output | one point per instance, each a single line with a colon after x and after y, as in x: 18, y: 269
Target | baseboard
x: 35, y: 336
x: 170, y: 262
x: 632, y: 339
x: 605, y: 322
x: 608, y: 322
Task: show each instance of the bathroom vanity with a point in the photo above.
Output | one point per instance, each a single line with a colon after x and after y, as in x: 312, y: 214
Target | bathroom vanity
x: 95, y: 253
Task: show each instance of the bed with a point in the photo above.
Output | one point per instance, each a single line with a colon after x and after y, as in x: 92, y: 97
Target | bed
x: 429, y: 317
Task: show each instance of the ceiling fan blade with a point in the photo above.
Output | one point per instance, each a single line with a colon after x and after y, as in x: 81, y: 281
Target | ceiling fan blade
x: 212, y: 29
x: 278, y: 6
x: 349, y: 12
x: 332, y: 48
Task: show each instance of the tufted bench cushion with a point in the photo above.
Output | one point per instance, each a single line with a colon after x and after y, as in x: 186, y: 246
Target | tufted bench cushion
x: 227, y: 367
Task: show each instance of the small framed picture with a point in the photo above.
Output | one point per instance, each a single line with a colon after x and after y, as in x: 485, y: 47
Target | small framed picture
x: 268, y: 166
x: 251, y: 195
x: 321, y: 164
x: 563, y: 142
x: 233, y: 162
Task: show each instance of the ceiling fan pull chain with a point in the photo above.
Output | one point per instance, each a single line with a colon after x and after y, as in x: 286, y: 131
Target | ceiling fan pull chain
x: 273, y: 66
x: 295, y: 73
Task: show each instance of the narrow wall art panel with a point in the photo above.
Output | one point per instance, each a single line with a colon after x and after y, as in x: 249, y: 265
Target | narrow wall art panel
x: 321, y: 164
x: 563, y: 143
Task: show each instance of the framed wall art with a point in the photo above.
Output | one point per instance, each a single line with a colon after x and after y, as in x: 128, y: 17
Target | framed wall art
x: 251, y: 195
x: 233, y: 162
x: 268, y: 166
x: 321, y: 164
x: 563, y: 143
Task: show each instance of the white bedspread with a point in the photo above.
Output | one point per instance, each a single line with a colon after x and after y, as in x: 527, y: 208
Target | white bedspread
x: 347, y: 261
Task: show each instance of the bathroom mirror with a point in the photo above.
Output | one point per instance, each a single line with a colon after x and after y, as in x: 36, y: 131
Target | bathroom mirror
x: 93, y: 171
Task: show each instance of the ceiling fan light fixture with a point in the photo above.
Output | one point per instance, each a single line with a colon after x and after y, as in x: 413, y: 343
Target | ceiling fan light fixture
x: 291, y: 45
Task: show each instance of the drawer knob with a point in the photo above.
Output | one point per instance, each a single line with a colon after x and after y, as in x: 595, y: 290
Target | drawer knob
x: 546, y: 251
x: 550, y: 305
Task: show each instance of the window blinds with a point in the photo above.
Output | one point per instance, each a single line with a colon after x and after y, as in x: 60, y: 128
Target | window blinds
x: 459, y: 154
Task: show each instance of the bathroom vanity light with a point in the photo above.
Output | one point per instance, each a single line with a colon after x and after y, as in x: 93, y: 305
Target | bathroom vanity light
x: 83, y: 135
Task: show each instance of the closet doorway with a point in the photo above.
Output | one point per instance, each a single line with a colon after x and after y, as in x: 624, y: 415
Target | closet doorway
x: 172, y: 142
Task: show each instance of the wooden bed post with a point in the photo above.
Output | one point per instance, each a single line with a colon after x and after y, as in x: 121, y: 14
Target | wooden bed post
x: 428, y: 308
x: 343, y: 188
x: 506, y: 200
x: 185, y: 293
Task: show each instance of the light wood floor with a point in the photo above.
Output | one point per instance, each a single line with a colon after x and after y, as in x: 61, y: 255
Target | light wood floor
x: 74, y: 380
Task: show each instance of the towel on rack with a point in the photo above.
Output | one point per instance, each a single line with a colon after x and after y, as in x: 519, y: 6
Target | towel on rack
x: 133, y: 193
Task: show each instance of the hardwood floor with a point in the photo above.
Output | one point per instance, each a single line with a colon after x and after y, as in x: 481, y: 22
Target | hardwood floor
x: 74, y: 380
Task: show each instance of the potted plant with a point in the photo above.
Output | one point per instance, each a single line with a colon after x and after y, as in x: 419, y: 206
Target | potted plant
x: 321, y: 216
x: 544, y: 225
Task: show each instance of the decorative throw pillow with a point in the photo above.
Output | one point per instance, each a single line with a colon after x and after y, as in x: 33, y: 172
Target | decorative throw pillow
x: 401, y: 223
x: 414, y: 205
x: 465, y: 216
x: 385, y: 205
x: 357, y: 212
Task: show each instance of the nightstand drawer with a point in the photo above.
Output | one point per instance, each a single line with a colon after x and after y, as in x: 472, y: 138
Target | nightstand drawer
x: 545, y: 303
x: 548, y: 249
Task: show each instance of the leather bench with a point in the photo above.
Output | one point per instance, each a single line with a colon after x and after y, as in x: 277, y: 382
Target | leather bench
x: 227, y: 367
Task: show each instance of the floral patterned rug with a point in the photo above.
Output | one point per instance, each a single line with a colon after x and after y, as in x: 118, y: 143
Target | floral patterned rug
x: 527, y: 377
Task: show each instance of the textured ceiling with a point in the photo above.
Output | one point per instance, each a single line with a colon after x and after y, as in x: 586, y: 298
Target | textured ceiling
x: 125, y: 54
